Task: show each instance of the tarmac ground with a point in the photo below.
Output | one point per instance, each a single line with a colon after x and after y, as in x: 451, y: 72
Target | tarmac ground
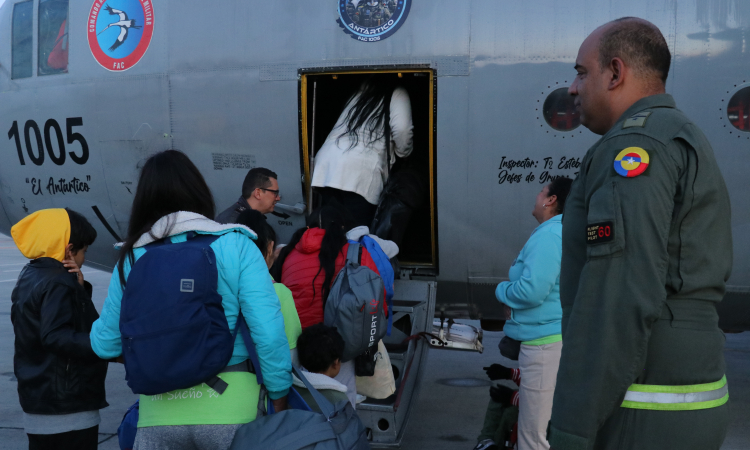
x: 448, y: 414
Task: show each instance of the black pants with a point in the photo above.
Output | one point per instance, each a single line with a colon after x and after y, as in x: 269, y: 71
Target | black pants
x: 87, y: 439
x: 362, y: 211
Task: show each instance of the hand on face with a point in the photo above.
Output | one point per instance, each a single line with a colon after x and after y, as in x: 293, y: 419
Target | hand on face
x: 74, y: 260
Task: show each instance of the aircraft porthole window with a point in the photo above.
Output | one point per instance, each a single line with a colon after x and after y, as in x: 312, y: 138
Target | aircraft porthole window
x: 559, y: 111
x: 738, y: 110
x: 22, y: 41
x: 53, y: 37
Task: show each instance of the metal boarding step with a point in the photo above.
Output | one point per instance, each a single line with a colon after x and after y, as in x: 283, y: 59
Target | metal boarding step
x: 413, y: 311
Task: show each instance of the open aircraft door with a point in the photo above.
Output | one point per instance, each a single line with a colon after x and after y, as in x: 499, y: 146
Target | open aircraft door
x: 323, y: 96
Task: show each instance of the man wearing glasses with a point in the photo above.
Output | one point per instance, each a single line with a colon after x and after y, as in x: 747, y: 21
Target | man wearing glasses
x: 260, y: 191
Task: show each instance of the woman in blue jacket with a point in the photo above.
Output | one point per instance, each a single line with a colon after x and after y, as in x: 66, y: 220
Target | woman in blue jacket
x: 533, y: 296
x: 172, y: 201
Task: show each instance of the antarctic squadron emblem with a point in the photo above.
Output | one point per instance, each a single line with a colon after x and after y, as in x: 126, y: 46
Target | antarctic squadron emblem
x: 372, y: 20
x: 120, y: 31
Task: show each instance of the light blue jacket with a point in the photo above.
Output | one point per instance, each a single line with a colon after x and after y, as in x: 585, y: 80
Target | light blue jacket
x: 243, y: 281
x: 533, y: 292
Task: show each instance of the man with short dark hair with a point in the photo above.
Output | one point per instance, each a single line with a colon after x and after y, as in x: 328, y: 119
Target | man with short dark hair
x: 647, y: 250
x: 260, y: 191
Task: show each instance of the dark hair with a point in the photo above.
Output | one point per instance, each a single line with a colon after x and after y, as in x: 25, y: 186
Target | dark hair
x: 331, y: 219
x: 258, y: 178
x: 561, y: 188
x: 258, y: 223
x: 169, y: 182
x: 82, y: 233
x: 368, y: 110
x: 318, y: 347
x: 639, y: 43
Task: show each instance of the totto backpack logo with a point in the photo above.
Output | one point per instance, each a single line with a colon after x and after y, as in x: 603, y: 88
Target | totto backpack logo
x: 187, y: 285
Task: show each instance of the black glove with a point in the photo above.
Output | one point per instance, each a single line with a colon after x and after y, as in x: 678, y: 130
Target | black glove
x: 502, y: 394
x: 498, y: 372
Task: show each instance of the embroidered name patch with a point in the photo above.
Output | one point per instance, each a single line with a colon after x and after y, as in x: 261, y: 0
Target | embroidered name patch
x: 631, y: 162
x: 598, y: 233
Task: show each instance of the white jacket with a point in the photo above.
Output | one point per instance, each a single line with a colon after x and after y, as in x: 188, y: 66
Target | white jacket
x: 361, y: 169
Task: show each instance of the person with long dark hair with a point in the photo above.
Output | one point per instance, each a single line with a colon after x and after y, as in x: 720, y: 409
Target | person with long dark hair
x: 172, y: 203
x: 266, y: 243
x: 352, y: 165
x: 309, y: 264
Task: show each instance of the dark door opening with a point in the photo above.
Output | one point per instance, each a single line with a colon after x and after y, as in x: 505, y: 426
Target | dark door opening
x: 331, y: 91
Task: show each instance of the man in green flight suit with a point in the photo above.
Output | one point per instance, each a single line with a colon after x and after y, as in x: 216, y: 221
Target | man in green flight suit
x: 647, y: 250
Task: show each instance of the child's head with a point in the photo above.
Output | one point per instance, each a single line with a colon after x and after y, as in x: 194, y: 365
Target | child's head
x: 82, y: 234
x: 320, y: 348
x: 54, y: 233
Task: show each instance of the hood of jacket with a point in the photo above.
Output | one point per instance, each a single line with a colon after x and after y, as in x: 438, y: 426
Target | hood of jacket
x: 311, y: 241
x: 44, y: 233
x: 182, y: 222
x: 319, y: 381
x: 390, y: 248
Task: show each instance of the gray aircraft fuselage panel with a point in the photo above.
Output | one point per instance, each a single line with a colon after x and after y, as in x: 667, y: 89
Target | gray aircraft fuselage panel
x: 221, y: 81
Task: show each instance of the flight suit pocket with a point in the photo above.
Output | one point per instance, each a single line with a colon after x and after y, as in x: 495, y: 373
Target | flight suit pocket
x: 605, y: 235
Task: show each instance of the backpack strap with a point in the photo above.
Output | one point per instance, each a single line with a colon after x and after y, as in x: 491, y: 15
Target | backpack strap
x: 250, y: 345
x: 217, y: 384
x: 354, y: 254
x: 326, y: 407
x: 386, y: 273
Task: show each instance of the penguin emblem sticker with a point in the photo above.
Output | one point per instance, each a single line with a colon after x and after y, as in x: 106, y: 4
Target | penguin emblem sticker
x: 372, y: 20
x: 119, y: 32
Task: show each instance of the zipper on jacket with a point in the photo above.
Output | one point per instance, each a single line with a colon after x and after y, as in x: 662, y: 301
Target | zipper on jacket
x: 67, y: 376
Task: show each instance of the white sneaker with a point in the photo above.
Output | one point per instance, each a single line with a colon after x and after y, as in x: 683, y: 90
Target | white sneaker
x: 487, y: 444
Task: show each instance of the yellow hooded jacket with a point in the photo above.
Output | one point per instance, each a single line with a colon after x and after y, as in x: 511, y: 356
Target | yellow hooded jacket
x: 44, y: 233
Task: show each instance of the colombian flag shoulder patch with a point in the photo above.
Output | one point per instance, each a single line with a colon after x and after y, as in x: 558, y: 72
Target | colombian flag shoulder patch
x: 631, y: 162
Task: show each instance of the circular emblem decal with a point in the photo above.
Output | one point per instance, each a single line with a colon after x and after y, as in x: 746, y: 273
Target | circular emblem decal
x: 631, y: 162
x: 120, y: 31
x: 372, y: 20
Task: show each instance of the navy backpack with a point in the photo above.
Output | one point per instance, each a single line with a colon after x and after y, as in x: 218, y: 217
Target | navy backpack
x: 174, y: 331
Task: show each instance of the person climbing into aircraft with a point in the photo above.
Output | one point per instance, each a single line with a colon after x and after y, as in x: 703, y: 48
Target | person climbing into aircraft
x: 260, y: 191
x: 172, y: 207
x: 312, y: 259
x: 354, y: 162
x: 533, y: 295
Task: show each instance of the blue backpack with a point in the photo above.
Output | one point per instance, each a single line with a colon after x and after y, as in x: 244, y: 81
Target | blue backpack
x: 174, y: 331
x: 128, y: 427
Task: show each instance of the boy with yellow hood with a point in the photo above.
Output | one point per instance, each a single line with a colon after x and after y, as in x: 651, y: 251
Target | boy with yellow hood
x: 60, y: 378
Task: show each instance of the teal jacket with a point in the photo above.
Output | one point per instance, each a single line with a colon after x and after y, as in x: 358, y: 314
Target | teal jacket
x: 533, y: 292
x: 243, y: 281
